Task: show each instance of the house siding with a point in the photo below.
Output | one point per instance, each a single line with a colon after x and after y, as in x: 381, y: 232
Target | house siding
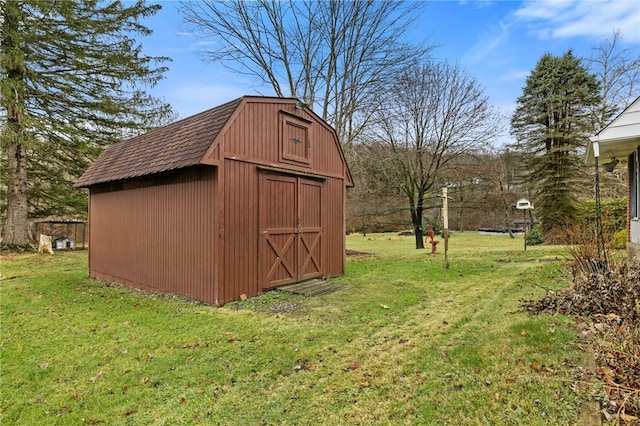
x: 633, y: 223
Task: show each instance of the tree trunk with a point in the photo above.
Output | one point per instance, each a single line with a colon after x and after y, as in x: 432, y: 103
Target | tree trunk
x: 13, y: 133
x: 416, y: 221
x: 462, y: 226
x: 507, y: 222
x: 505, y: 207
x: 16, y: 228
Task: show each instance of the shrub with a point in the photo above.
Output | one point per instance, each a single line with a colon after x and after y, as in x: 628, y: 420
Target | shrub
x: 619, y: 240
x: 534, y: 237
x: 614, y: 213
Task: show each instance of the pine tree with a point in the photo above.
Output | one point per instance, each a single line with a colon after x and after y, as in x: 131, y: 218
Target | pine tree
x: 551, y: 124
x: 72, y: 82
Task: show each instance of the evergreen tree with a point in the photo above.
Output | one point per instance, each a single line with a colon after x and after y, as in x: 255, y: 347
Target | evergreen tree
x: 551, y: 124
x: 72, y: 82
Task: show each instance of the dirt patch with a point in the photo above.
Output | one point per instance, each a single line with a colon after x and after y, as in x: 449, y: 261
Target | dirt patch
x: 361, y: 254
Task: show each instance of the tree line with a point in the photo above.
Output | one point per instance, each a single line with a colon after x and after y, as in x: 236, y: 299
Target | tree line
x: 74, y: 80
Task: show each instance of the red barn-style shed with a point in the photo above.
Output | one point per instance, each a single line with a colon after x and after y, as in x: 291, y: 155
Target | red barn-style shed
x: 235, y: 200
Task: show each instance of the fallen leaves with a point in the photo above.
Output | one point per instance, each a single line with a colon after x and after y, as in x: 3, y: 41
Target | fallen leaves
x: 353, y: 366
x: 304, y: 365
x: 609, y: 300
x: 541, y: 368
x: 231, y: 339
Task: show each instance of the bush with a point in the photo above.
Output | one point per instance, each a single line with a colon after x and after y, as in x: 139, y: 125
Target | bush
x: 619, y: 240
x: 614, y: 214
x: 534, y: 237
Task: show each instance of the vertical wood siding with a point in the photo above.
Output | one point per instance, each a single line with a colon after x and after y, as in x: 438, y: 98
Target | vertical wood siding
x: 255, y: 135
x: 240, y: 264
x: 158, y: 235
x: 335, y: 229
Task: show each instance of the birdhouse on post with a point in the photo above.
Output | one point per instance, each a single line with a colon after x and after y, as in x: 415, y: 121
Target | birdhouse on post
x: 524, y: 205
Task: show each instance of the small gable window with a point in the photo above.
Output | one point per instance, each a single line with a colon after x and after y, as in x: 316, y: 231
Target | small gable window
x: 295, y: 144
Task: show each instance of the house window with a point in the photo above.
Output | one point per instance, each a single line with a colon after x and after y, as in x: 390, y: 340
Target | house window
x: 295, y: 144
x: 634, y: 183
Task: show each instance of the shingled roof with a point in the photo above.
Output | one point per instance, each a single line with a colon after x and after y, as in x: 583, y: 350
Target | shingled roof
x: 175, y: 146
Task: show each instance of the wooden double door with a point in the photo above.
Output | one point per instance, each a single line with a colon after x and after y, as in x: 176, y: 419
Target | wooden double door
x: 290, y: 246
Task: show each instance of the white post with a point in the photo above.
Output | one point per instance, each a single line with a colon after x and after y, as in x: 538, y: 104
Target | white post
x: 445, y: 231
x: 524, y: 205
x: 524, y: 224
x: 602, y: 254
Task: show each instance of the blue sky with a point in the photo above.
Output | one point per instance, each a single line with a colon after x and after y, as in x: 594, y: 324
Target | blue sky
x: 498, y: 42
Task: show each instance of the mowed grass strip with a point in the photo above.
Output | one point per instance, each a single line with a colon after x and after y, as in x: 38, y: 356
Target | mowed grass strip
x: 408, y: 343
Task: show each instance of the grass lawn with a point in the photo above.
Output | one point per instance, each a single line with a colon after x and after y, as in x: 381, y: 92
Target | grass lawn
x: 408, y: 343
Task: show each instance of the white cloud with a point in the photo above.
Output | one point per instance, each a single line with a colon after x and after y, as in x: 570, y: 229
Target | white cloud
x: 594, y: 19
x: 202, y: 43
x: 481, y: 49
x: 542, y: 10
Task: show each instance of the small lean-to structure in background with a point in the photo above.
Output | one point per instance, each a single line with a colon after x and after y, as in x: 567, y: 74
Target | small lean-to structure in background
x: 236, y: 200
x: 66, y: 234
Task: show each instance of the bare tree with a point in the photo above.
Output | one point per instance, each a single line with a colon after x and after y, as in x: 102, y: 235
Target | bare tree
x: 618, y: 71
x: 372, y: 206
x: 433, y: 114
x: 333, y: 55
